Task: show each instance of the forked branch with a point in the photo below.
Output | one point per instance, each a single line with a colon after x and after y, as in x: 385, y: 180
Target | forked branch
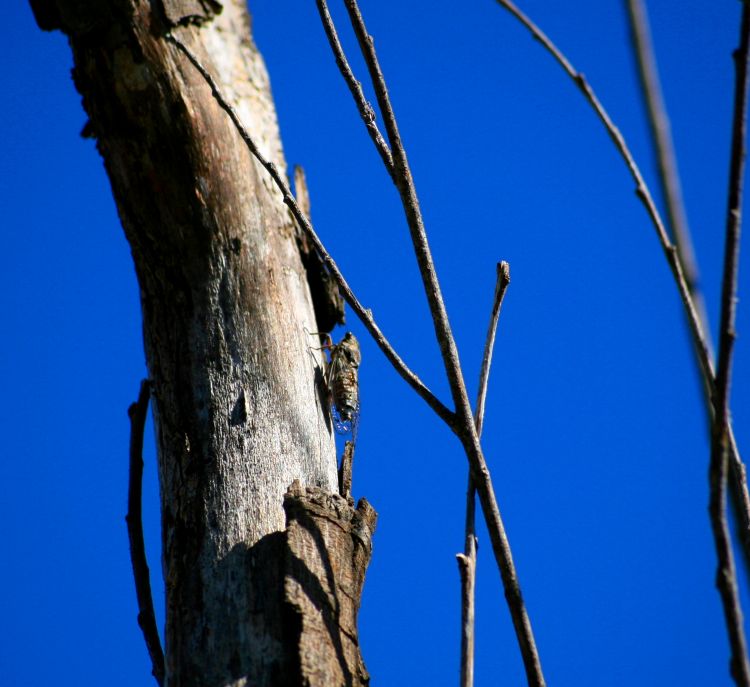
x: 464, y: 425
x: 366, y: 111
x: 146, y: 618
x: 402, y: 177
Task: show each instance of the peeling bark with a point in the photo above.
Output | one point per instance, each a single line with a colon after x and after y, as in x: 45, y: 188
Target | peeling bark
x: 238, y: 404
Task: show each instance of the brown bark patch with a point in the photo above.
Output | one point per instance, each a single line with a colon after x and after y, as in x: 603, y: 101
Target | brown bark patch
x: 329, y: 544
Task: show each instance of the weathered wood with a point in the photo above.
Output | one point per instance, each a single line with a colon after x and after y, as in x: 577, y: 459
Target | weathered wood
x: 226, y: 309
x: 329, y: 544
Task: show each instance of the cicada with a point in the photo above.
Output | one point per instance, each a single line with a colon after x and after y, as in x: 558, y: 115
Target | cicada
x: 343, y: 384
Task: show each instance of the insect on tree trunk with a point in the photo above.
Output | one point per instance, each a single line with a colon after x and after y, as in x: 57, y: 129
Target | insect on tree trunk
x: 261, y: 587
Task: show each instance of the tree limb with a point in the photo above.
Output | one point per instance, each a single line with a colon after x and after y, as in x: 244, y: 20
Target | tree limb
x: 146, y: 618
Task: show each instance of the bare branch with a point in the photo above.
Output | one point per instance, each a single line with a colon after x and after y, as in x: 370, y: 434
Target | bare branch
x: 641, y: 190
x: 405, y: 185
x: 467, y: 561
x: 146, y: 618
x: 670, y: 185
x: 726, y: 577
x: 366, y: 110
x: 733, y: 224
x: 501, y: 285
x: 698, y: 333
x: 464, y: 425
x: 364, y: 314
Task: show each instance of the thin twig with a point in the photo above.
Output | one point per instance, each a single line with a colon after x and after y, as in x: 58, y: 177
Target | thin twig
x: 698, y: 333
x: 669, y: 179
x: 146, y: 618
x: 405, y: 185
x: 467, y: 561
x: 726, y: 577
x: 641, y: 189
x: 501, y: 286
x: 365, y: 109
x: 464, y: 425
x: 364, y: 314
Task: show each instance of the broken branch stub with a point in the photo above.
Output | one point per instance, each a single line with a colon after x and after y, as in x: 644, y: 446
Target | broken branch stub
x: 328, y: 549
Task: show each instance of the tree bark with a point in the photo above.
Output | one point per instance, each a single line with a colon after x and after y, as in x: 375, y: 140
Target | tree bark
x: 239, y: 406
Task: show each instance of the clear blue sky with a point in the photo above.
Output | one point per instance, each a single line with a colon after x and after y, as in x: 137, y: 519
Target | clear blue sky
x: 594, y: 434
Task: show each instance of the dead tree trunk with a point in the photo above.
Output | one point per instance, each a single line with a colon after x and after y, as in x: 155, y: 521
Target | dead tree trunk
x: 239, y: 408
